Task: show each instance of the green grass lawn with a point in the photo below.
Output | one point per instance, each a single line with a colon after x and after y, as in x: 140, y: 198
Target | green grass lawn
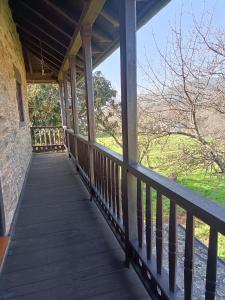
x: 198, y: 180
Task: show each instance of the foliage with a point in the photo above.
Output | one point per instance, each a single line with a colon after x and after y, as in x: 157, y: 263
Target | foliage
x: 44, y: 106
x: 107, y: 109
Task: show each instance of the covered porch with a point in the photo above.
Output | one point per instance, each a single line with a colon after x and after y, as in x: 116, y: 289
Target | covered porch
x: 85, y: 226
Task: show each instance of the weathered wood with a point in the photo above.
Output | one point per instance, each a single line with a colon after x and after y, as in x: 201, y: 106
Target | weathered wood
x: 61, y: 247
x: 139, y: 213
x: 172, y: 246
x: 109, y: 17
x: 62, y: 104
x: 43, y: 41
x: 61, y: 12
x: 210, y: 288
x: 129, y: 115
x: 188, y: 257
x: 89, y: 14
x: 86, y: 43
x: 66, y: 101
x: 73, y: 93
x: 149, y: 221
x: 31, y: 25
x: 46, y: 20
x: 29, y: 61
x: 159, y: 232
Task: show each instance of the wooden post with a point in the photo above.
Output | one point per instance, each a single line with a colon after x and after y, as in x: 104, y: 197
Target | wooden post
x: 73, y: 93
x: 129, y: 117
x: 66, y: 101
x: 87, y: 50
x: 62, y: 106
x: 74, y: 100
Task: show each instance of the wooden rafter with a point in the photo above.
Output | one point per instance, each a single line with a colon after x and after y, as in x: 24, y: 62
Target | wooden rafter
x: 89, y: 15
x: 39, y: 29
x: 110, y: 18
x: 43, y: 18
x: 38, y: 48
x: 45, y: 48
x: 61, y: 12
x: 39, y: 39
x: 47, y: 61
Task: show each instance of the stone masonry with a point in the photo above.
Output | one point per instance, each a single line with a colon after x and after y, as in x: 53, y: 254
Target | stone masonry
x: 15, y: 142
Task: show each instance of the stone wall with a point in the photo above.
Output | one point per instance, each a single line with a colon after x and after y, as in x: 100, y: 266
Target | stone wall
x: 15, y: 143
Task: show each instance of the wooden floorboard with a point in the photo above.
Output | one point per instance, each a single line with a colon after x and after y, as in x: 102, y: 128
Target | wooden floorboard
x: 61, y: 247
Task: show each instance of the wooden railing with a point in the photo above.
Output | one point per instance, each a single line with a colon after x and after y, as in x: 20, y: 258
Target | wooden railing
x: 47, y: 138
x: 148, y: 250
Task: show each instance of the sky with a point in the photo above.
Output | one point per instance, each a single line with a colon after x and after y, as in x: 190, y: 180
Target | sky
x: 160, y: 28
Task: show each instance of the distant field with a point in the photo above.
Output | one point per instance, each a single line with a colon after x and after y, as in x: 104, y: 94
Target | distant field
x: 210, y: 186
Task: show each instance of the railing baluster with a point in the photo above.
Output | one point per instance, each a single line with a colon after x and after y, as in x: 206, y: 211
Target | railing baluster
x: 149, y: 221
x: 113, y: 186
x: 172, y: 246
x: 210, y: 288
x: 39, y: 132
x: 188, y: 257
x: 104, y: 178
x: 159, y: 232
x: 139, y: 213
x: 109, y: 183
x: 117, y: 192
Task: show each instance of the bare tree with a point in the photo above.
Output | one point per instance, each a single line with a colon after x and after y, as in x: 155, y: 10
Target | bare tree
x: 186, y: 95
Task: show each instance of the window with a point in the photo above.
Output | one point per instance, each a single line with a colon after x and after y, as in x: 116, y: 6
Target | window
x: 19, y: 101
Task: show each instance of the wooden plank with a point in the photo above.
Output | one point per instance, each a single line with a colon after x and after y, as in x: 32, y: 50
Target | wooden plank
x: 159, y: 232
x: 42, y: 253
x: 172, y: 246
x: 139, y: 213
x: 188, y: 257
x: 129, y: 115
x: 210, y: 288
x: 89, y: 15
x: 66, y: 101
x: 62, y: 104
x: 86, y: 43
x: 43, y: 18
x: 149, y: 221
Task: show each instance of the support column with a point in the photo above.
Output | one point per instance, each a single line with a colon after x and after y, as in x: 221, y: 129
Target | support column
x: 129, y: 116
x: 72, y: 61
x: 74, y: 93
x: 87, y: 50
x: 66, y: 101
x: 62, y: 106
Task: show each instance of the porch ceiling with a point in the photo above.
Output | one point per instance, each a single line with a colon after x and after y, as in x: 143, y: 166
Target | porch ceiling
x: 53, y: 28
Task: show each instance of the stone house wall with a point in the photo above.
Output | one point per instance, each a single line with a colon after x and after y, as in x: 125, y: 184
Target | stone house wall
x: 15, y: 141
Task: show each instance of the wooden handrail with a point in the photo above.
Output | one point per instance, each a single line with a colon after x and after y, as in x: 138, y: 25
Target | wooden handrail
x: 201, y: 207
x: 108, y: 190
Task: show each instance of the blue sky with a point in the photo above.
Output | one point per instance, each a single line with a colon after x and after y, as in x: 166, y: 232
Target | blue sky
x: 160, y: 25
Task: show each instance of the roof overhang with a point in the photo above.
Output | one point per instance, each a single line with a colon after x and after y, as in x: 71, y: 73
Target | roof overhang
x: 49, y: 32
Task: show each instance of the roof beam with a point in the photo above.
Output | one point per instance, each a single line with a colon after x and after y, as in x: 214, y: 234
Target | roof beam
x: 61, y: 12
x: 110, y: 18
x: 38, y: 55
x: 88, y: 16
x: 29, y: 61
x: 50, y: 51
x: 39, y: 39
x: 38, y: 48
x: 53, y: 25
x: 39, y: 78
x: 97, y: 33
x: 42, y: 31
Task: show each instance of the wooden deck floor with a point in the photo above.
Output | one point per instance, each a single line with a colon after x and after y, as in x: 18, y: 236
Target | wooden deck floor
x: 61, y: 247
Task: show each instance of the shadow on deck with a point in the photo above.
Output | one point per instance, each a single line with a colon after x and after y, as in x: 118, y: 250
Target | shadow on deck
x: 61, y: 246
